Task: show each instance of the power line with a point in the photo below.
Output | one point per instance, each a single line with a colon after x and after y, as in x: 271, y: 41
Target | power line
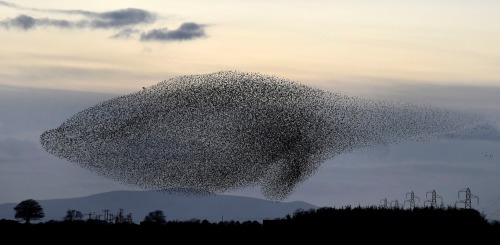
x: 492, y: 203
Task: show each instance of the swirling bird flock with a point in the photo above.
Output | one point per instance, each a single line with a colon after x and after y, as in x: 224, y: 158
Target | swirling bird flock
x: 230, y: 130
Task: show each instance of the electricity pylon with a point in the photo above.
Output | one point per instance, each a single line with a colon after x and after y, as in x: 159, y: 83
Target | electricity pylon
x: 395, y: 204
x: 383, y: 203
x: 106, y: 215
x: 468, y: 198
x: 90, y: 215
x: 433, y: 199
x: 411, y: 200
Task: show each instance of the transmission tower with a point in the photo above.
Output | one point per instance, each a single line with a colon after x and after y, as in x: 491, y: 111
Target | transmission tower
x: 411, y: 200
x: 433, y: 200
x: 395, y: 204
x: 90, y: 215
x: 383, y: 203
x: 468, y: 198
x: 128, y: 220
x: 106, y: 215
x: 119, y: 218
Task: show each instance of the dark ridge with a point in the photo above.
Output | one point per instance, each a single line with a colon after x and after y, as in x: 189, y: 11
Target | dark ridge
x: 354, y: 224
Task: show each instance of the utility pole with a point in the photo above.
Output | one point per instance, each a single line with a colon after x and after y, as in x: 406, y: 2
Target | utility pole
x: 411, y: 200
x: 468, y: 198
x: 433, y: 199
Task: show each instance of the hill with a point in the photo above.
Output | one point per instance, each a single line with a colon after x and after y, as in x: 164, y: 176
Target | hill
x: 176, y: 206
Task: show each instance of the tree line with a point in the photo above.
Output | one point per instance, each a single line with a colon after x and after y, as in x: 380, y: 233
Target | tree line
x: 372, y: 222
x: 29, y: 210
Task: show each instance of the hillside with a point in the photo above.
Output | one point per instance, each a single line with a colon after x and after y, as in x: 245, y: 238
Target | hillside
x: 175, y: 206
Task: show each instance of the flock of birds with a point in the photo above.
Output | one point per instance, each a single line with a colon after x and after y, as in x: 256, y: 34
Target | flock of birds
x: 229, y: 130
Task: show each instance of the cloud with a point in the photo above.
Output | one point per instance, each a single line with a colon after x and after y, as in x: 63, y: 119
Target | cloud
x: 122, y: 17
x: 125, y: 33
x: 125, y: 20
x: 112, y: 19
x: 22, y: 22
x: 7, y: 4
x: 26, y: 22
x: 59, y: 11
x: 98, y: 20
x: 187, y: 31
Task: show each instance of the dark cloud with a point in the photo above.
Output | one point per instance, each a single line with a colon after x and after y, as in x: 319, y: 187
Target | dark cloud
x: 113, y: 19
x: 187, y: 31
x: 60, y: 23
x: 122, y: 18
x: 26, y: 22
x: 22, y: 22
x: 110, y: 19
x: 125, y: 33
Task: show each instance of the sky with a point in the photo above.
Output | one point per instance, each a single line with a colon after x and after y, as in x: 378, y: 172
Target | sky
x: 60, y: 57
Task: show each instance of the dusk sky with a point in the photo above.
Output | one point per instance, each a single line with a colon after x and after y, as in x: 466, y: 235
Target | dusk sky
x: 60, y: 57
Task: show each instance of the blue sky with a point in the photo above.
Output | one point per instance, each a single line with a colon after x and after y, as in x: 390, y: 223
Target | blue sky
x: 62, y: 57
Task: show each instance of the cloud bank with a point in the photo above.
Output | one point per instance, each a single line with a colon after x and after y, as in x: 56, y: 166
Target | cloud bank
x: 127, y: 21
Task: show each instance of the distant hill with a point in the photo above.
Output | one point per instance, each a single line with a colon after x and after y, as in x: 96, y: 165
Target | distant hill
x: 175, y: 206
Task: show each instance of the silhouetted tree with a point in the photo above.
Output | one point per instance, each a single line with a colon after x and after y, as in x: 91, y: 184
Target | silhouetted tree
x: 29, y: 210
x: 156, y: 217
x: 72, y: 215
